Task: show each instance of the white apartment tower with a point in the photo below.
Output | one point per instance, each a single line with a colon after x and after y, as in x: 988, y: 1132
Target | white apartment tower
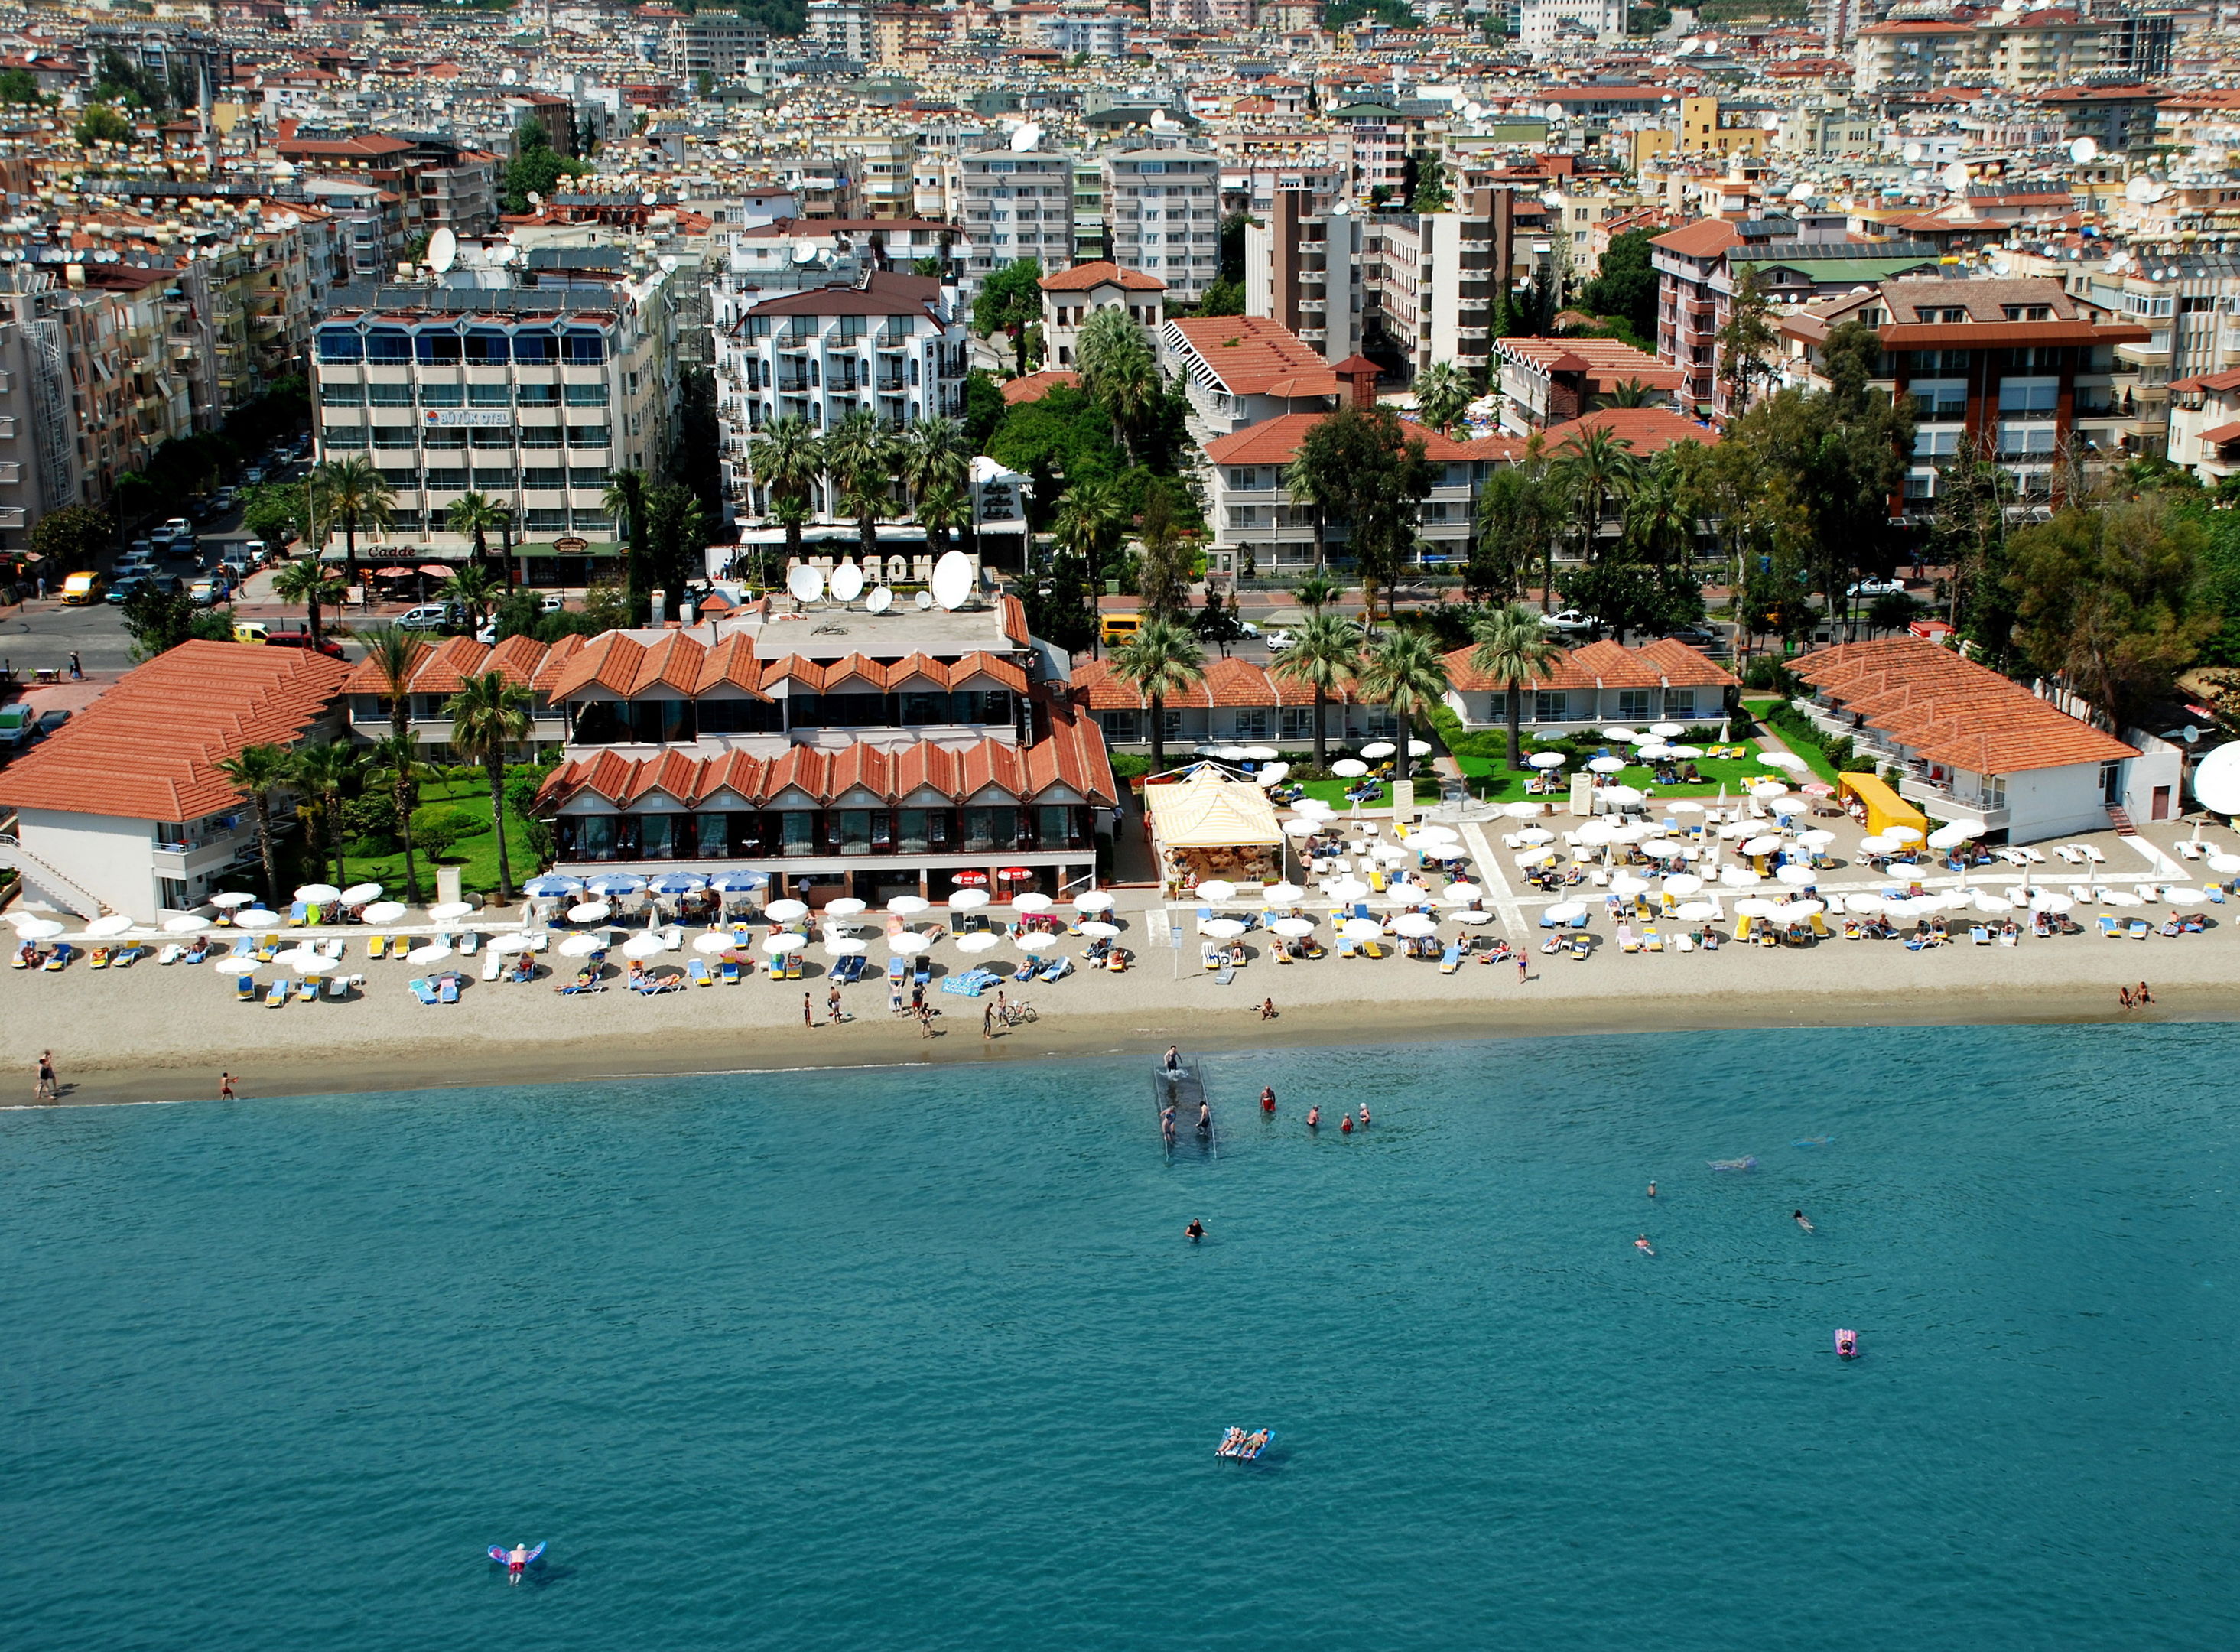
x: 1163, y: 216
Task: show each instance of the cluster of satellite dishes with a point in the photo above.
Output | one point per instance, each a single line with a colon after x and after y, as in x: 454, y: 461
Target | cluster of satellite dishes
x: 953, y: 586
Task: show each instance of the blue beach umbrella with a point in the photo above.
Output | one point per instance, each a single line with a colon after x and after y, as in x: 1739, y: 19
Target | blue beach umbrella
x: 609, y: 883
x: 739, y: 882
x: 678, y: 883
x: 551, y: 886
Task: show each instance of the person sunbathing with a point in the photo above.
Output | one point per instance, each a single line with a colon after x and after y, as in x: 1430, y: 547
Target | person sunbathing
x: 1254, y: 1444
x: 1229, y: 1443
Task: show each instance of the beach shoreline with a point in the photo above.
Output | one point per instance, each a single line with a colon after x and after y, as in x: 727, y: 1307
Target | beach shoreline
x: 475, y: 1060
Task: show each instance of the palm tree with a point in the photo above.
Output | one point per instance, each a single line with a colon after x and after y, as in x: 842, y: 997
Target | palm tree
x: 861, y: 455
x: 472, y: 588
x: 259, y: 771
x: 788, y: 459
x: 1303, y: 485
x: 1324, y: 654
x: 791, y: 511
x: 395, y: 760
x: 352, y: 492
x: 477, y: 516
x: 1443, y: 395
x: 624, y: 500
x: 1513, y: 648
x: 326, y: 772
x: 1118, y: 370
x: 941, y: 508
x: 1317, y: 592
x: 1161, y: 659
x: 488, y: 713
x: 1629, y: 393
x: 934, y: 454
x: 1402, y: 669
x: 395, y: 656
x: 1594, y: 468
x: 304, y: 581
x: 867, y: 505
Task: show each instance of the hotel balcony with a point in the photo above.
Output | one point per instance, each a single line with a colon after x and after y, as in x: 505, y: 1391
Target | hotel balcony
x: 1946, y: 804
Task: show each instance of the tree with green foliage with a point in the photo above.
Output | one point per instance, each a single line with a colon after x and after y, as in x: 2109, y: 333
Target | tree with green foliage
x: 102, y: 124
x: 1344, y: 464
x: 352, y: 494
x: 488, y: 713
x: 676, y: 540
x: 395, y: 655
x: 1746, y: 344
x: 1054, y: 604
x: 2109, y: 595
x: 19, y: 86
x: 302, y: 580
x: 73, y: 537
x: 1216, y: 623
x: 325, y: 773
x: 1161, y: 659
x: 1065, y: 435
x: 1428, y: 186
x: 1165, y: 569
x: 1324, y: 657
x: 862, y: 455
x: 1443, y: 395
x: 536, y: 167
x: 1011, y: 301
x: 474, y: 590
x: 1519, y: 514
x: 1231, y: 268
x: 159, y: 621
x: 985, y: 409
x: 624, y: 500
x: 477, y: 517
x: 1403, y: 670
x: 931, y: 268
x: 1221, y: 298
x: 697, y: 461
x: 1118, y: 370
x: 935, y: 457
x: 788, y: 458
x: 258, y: 771
x: 1513, y: 648
x: 275, y: 512
x: 1597, y: 469
x: 1625, y: 285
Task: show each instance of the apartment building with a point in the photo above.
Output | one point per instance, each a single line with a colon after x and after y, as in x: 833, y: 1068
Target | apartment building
x: 1915, y: 54
x: 1071, y: 297
x: 1433, y: 280
x: 1304, y: 269
x: 720, y: 44
x: 2018, y: 371
x: 1544, y: 25
x: 1243, y: 370
x: 841, y: 29
x: 1545, y: 381
x: 1016, y: 205
x: 1163, y: 216
x: 2204, y: 425
x: 531, y: 397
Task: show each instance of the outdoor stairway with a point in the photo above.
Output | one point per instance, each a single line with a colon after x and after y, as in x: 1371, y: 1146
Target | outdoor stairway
x: 2121, y: 822
x: 54, y: 885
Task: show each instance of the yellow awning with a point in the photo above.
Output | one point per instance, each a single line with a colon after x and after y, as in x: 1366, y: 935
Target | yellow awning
x: 1884, y: 807
x: 1205, y: 811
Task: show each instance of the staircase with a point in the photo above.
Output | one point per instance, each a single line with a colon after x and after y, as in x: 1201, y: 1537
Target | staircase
x: 2121, y: 822
x: 55, y: 886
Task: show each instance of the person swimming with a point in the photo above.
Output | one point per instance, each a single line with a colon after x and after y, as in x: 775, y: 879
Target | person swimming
x: 1315, y: 1118
x: 1267, y: 1099
x: 1652, y: 1189
x: 1205, y: 1118
x: 1167, y: 1122
x: 1642, y: 1245
x: 1196, y: 1231
x: 1174, y: 1063
x: 1345, y: 1123
x: 1364, y: 1116
x: 1797, y: 1216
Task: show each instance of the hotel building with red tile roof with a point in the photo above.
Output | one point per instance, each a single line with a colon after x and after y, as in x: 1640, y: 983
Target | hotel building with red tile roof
x: 1975, y: 745
x: 1597, y: 683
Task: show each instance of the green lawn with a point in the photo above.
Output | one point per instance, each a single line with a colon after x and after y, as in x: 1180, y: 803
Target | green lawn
x: 1491, y: 777
x: 476, y: 857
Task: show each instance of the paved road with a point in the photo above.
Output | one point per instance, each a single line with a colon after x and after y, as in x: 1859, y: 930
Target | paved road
x: 38, y: 634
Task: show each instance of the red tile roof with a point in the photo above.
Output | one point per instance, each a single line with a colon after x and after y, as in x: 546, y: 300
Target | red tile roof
x: 1251, y: 354
x: 1705, y: 238
x: 1102, y: 272
x: 1950, y: 710
x: 1649, y: 430
x: 148, y: 749
x: 1035, y: 386
x: 1275, y: 441
x: 1605, y: 665
x: 1607, y: 362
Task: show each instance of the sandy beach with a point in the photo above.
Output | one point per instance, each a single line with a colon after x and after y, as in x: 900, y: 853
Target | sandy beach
x: 152, y: 1033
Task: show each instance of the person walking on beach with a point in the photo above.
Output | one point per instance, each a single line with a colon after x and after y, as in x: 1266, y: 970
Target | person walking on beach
x: 225, y: 1087
x: 924, y: 1021
x: 807, y: 1017
x: 895, y: 995
x: 832, y: 1005
x: 1524, y: 966
x: 987, y: 1021
x: 48, y: 1090
x: 917, y: 997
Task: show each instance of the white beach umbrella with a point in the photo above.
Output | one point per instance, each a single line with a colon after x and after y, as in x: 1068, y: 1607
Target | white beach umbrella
x: 1300, y: 826
x: 1414, y: 925
x: 38, y: 928
x: 967, y: 900
x: 450, y: 911
x: 1767, y: 790
x: 359, y: 894
x: 1731, y: 830
x: 1597, y: 831
x: 1756, y: 907
x: 1787, y: 759
x: 1873, y: 843
x: 1361, y: 930
x: 2046, y: 901
x: 1662, y: 849
x: 786, y: 911
x: 1536, y: 857
x: 1098, y: 930
x: 1258, y: 754
x: 1954, y: 833
x: 1536, y: 835
x: 231, y: 899
x: 589, y: 912
x: 908, y: 905
x: 1035, y: 940
x: 185, y: 923
x: 1797, y: 876
x: 779, y: 945
x: 1655, y: 749
x: 1093, y: 901
x: 1387, y: 853
x: 1314, y: 808
x: 1282, y: 895
x: 1624, y: 796
x: 845, y: 946
x: 1379, y: 749
x: 1696, y: 912
x: 1221, y: 929
x: 1667, y: 730
x: 1864, y: 904
x: 1291, y: 928
x: 2184, y: 895
x: 232, y: 968
x: 1350, y: 768
x: 647, y: 943
x: 2227, y: 864
x: 1903, y: 833
x: 256, y: 918
x: 1348, y: 889
x: 713, y: 942
x: 317, y: 892
x: 1461, y: 895
x: 909, y: 941
x: 1626, y: 734
x: 1987, y: 901
x: 1565, y: 912
x: 1472, y: 914
x: 1687, y: 754
x: 1419, y: 747
x: 114, y: 924
x: 1738, y: 877
x: 1764, y: 843
x: 582, y: 946
x: 1819, y: 837
x: 1798, y: 911
x: 1684, y: 884
x: 514, y: 941
x: 314, y: 963
x: 1550, y: 760
x: 1028, y: 901
x: 2120, y: 898
x: 433, y: 952
x: 848, y: 906
x: 1215, y: 891
x: 978, y: 941
x: 385, y: 912
x: 1627, y: 883
x: 1606, y: 765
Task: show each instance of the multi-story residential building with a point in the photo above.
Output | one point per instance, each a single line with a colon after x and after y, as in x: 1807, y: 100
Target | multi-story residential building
x: 1243, y: 370
x: 2205, y: 424
x: 1235, y: 700
x: 1089, y: 239
x: 841, y: 29
x: 1433, y: 280
x: 1089, y: 34
x: 792, y: 255
x: 719, y: 45
x: 1914, y: 54
x: 531, y: 397
x: 1822, y: 129
x: 1163, y: 216
x: 2136, y: 45
x: 1071, y: 297
x: 2018, y: 371
x: 884, y: 167
x: 41, y: 467
x: 438, y: 185
x: 1545, y: 23
x: 1375, y: 146
x: 1015, y: 205
x: 195, y: 66
x: 1305, y: 268
x: 2043, y: 48
x: 1552, y: 381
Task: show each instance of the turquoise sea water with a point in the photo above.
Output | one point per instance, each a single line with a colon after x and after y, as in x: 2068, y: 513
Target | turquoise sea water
x: 919, y: 1358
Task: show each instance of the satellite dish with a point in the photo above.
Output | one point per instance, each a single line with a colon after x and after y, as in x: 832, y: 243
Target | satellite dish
x: 2217, y: 780
x: 1026, y: 138
x: 805, y: 582
x: 649, y: 199
x: 924, y: 600
x: 1954, y: 177
x: 952, y: 580
x: 880, y: 600
x: 2139, y: 190
x: 501, y: 254
x: 443, y: 251
x: 847, y: 582
x: 1912, y: 153
x: 1338, y: 210
x: 2083, y: 150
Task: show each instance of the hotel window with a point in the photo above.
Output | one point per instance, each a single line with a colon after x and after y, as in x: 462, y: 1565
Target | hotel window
x: 596, y: 839
x: 537, y: 394
x: 1056, y: 828
x: 342, y: 395
x: 800, y: 832
x: 390, y: 394
x: 1632, y: 704
x: 1298, y: 722
x: 490, y: 395
x: 656, y: 836
x: 1121, y: 728
x: 712, y: 835
x: 852, y: 827
x: 1252, y: 724
x: 1170, y: 724
x: 1381, y: 723
x: 990, y: 828
x: 587, y: 395
x: 491, y: 436
x: 389, y: 436
x: 1551, y: 707
x: 441, y: 395
x: 1679, y: 703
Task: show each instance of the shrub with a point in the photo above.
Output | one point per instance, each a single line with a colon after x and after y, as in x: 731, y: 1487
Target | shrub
x: 1769, y: 675
x: 369, y: 822
x: 1130, y: 765
x: 435, y: 827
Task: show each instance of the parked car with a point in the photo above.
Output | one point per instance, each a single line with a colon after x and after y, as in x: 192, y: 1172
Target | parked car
x: 18, y: 727
x: 227, y: 498
x: 177, y: 527
x: 143, y: 548
x: 209, y: 591
x: 552, y: 603
x: 1278, y: 641
x: 132, y: 568
x: 51, y: 723
x: 326, y: 645
x: 81, y: 590
x: 1700, y: 636
x: 1569, y: 619
x: 254, y: 476
x: 1878, y: 588
x: 122, y: 590
x: 430, y: 616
